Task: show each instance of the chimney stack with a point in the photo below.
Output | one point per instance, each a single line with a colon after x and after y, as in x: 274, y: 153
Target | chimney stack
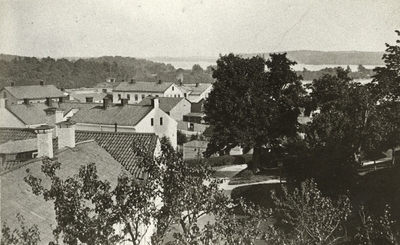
x: 54, y: 116
x: 106, y: 101
x: 45, y: 141
x: 159, y: 81
x: 124, y: 101
x: 155, y: 102
x: 133, y: 80
x: 41, y: 82
x: 197, y: 85
x: 61, y: 99
x: 66, y: 134
x: 26, y: 101
x: 89, y: 99
x: 49, y: 102
x: 12, y: 84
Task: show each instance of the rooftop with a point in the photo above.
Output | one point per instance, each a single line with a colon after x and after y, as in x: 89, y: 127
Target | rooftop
x: 29, y: 114
x: 13, y: 134
x: 196, y: 144
x: 127, y: 115
x: 81, y: 97
x: 143, y: 86
x: 166, y: 103
x: 18, y: 146
x: 196, y: 88
x: 17, y: 196
x: 35, y: 91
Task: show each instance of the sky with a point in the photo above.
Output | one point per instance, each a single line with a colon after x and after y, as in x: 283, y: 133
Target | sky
x: 183, y: 28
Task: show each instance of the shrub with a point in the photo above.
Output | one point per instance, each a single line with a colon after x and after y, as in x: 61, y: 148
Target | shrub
x: 247, y: 174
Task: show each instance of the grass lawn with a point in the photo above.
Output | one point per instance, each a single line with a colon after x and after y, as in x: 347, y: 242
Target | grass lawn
x: 244, y: 176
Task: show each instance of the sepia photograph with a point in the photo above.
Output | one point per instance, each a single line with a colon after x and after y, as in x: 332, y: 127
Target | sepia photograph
x: 200, y: 122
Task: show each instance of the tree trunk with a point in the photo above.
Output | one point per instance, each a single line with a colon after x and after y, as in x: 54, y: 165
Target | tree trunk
x: 393, y: 156
x: 256, y: 158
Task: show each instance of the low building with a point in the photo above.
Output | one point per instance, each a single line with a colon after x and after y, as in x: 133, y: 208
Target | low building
x: 30, y: 94
x: 194, y: 149
x: 111, y: 152
x: 174, y: 107
x: 136, y: 91
x: 196, y: 92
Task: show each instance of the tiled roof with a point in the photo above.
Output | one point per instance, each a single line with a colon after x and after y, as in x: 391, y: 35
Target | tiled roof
x: 81, y: 97
x: 19, y: 146
x: 30, y: 114
x: 12, y: 134
x: 17, y: 196
x: 120, y: 146
x: 196, y: 90
x: 143, y: 87
x: 35, y: 91
x: 128, y: 115
x: 166, y: 103
x: 196, y: 143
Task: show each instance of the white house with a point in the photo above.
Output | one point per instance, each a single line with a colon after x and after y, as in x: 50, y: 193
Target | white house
x: 196, y: 92
x: 30, y: 94
x: 135, y: 91
x: 175, y: 107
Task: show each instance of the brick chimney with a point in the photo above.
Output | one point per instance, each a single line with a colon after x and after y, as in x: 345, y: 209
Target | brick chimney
x: 41, y: 82
x: 12, y: 84
x: 197, y: 85
x: 66, y: 134
x: 133, y: 80
x: 54, y: 116
x: 89, y: 99
x: 159, y: 81
x: 155, y: 102
x: 26, y: 101
x: 45, y: 141
x: 106, y: 102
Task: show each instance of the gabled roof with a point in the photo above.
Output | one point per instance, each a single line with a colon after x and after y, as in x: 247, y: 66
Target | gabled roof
x: 29, y: 114
x: 13, y: 134
x: 166, y: 103
x: 196, y: 88
x: 19, y: 146
x: 143, y: 87
x: 17, y: 196
x: 196, y: 143
x: 35, y: 91
x: 127, y: 115
x: 121, y: 146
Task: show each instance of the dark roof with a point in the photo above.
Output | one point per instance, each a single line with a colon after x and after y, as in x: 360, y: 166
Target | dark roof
x: 35, y: 92
x: 120, y: 146
x: 127, y: 115
x: 13, y: 134
x: 18, y: 146
x: 143, y: 86
x: 17, y: 196
x: 166, y: 103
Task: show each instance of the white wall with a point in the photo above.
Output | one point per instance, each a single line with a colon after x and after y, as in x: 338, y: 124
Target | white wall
x: 169, y: 127
x: 173, y: 91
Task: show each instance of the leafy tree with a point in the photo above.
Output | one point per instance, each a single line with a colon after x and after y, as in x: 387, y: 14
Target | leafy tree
x: 181, y: 138
x: 387, y: 80
x: 252, y: 107
x: 25, y: 235
x: 313, y: 218
x: 87, y: 208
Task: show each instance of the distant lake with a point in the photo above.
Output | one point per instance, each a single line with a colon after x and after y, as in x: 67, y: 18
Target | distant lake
x: 187, y: 65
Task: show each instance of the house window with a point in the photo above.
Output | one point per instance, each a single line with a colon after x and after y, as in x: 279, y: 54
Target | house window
x: 104, y: 90
x: 136, y: 97
x: 119, y: 96
x: 143, y: 95
x: 152, y: 122
x: 129, y: 97
x: 179, y: 95
x: 161, y: 120
x: 172, y: 88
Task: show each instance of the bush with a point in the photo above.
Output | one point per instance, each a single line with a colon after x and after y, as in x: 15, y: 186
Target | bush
x: 247, y: 174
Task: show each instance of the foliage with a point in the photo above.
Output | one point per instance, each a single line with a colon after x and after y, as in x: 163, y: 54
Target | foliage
x: 247, y: 174
x: 65, y: 73
x: 181, y: 138
x: 361, y: 73
x: 252, y: 107
x: 24, y: 235
x: 314, y: 219
x: 87, y: 208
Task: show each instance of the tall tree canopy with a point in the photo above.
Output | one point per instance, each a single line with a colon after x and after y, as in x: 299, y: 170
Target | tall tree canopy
x: 254, y: 103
